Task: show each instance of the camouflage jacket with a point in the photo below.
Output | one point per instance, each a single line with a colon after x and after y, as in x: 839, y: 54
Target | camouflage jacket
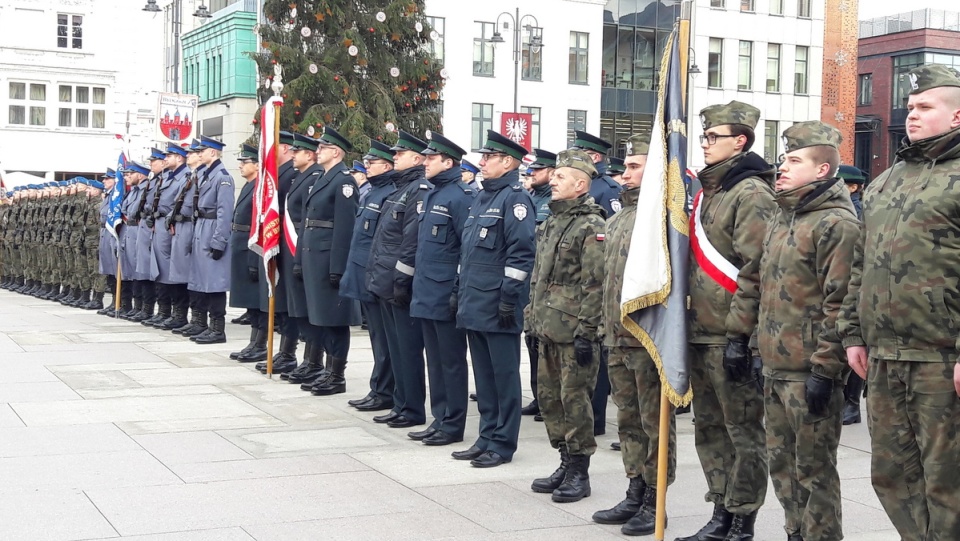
x: 566, y: 286
x: 737, y: 204
x: 904, y: 297
x: 91, y: 223
x: 615, y: 249
x: 804, y: 273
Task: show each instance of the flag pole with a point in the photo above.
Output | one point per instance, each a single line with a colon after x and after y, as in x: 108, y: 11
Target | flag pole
x: 116, y: 296
x: 272, y: 267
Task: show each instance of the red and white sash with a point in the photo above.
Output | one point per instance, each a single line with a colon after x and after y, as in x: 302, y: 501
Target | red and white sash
x: 289, y: 230
x: 715, y: 265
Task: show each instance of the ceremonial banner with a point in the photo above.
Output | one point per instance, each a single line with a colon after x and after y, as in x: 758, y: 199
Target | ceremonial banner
x: 176, y: 114
x: 114, y: 214
x: 517, y: 127
x: 265, y: 230
x: 654, y: 298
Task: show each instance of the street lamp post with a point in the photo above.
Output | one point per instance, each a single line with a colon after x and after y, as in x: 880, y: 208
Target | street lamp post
x: 176, y: 24
x: 536, y: 42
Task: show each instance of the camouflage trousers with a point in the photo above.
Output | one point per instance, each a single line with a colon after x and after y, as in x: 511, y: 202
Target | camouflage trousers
x: 914, y: 415
x: 803, y: 459
x: 729, y: 433
x: 636, y: 392
x: 564, y: 391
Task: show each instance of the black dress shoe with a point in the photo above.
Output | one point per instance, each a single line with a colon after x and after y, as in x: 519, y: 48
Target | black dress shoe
x: 357, y: 401
x: 375, y: 404
x: 470, y: 454
x: 386, y: 417
x: 533, y: 408
x: 615, y: 446
x: 402, y: 422
x: 473, y: 396
x: 538, y: 418
x: 489, y: 459
x: 441, y: 438
x: 421, y: 435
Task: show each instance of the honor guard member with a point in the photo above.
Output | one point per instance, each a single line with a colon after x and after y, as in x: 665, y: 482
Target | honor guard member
x: 285, y: 360
x: 244, y: 264
x: 130, y: 300
x: 390, y: 278
x: 493, y: 287
x: 379, y: 165
x: 107, y: 248
x: 146, y: 263
x: 566, y: 296
x: 181, y: 226
x: 329, y: 212
x: 212, y: 209
x: 899, y: 319
x: 305, y: 162
x: 170, y: 293
x: 539, y: 172
x: 634, y: 379
x: 804, y: 274
x: 469, y: 172
x: 445, y: 210
x: 615, y: 169
x: 731, y: 216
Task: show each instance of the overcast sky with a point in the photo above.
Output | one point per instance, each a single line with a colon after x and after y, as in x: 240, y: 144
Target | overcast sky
x: 879, y: 8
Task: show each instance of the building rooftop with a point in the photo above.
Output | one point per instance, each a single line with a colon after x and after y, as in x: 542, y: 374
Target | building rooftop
x: 935, y: 19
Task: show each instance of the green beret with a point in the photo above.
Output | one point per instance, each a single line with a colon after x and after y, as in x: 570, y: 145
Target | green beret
x: 735, y: 112
x: 809, y: 134
x: 637, y: 145
x: 577, y: 159
x: 932, y: 76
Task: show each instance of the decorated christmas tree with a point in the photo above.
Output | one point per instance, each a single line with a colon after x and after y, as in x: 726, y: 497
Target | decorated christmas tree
x: 362, y: 66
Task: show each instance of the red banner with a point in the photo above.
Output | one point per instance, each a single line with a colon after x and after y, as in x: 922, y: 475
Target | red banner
x: 265, y: 229
x: 517, y: 126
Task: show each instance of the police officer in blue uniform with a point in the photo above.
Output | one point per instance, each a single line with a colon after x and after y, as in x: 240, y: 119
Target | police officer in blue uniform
x: 493, y: 286
x: 606, y: 193
x: 540, y: 171
x: 213, y: 212
x: 445, y: 210
x: 169, y: 293
x: 469, y: 172
x: 379, y: 166
x: 390, y: 278
x: 330, y: 210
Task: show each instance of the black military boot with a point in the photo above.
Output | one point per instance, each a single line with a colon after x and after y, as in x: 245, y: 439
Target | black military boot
x: 258, y: 351
x: 307, y: 347
x: 163, y: 312
x: 244, y: 319
x: 216, y: 334
x: 322, y: 378
x: 177, y: 319
x: 794, y: 537
x: 716, y: 529
x: 58, y: 293
x: 199, y: 327
x: 48, y: 292
x: 851, y: 395
x: 126, y: 305
x: 336, y: 383
x: 253, y: 337
x: 576, y: 483
x: 625, y: 510
x: 546, y: 485
x: 83, y: 300
x: 645, y: 521
x: 145, y: 313
x: 741, y: 529
x: 188, y: 326
x: 285, y: 360
x: 95, y: 302
x: 310, y: 369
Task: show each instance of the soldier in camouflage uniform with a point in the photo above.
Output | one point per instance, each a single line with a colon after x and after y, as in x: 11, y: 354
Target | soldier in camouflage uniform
x: 633, y: 374
x: 731, y: 212
x: 93, y: 283
x: 899, y: 321
x: 73, y: 265
x: 566, y: 294
x: 804, y: 273
x: 5, y: 223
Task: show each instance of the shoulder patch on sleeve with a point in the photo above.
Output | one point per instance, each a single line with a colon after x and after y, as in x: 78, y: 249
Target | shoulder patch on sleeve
x: 520, y: 211
x: 424, y: 186
x: 226, y: 183
x: 347, y: 190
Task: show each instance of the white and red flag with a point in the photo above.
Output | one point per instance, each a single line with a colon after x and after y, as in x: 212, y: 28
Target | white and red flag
x: 265, y: 231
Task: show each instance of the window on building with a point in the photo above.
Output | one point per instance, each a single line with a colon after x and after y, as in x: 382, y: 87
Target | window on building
x: 481, y: 122
x: 901, y: 82
x: 776, y: 7
x: 715, y: 64
x: 747, y: 5
x: 576, y: 120
x: 800, y: 70
x: 531, y: 62
x: 483, y: 50
x: 435, y: 46
x: 534, y: 124
x: 773, y: 67
x: 718, y: 3
x: 17, y: 113
x: 31, y: 108
x: 865, y: 92
x: 69, y: 31
x: 771, y: 138
x: 803, y: 9
x: 78, y: 106
x: 745, y: 77
x: 579, y: 51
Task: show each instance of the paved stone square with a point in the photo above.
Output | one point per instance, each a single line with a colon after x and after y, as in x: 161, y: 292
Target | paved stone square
x: 112, y: 430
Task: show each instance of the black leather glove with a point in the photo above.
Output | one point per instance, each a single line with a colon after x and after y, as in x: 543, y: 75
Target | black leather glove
x: 584, y: 349
x: 335, y: 280
x: 819, y: 388
x: 454, y: 304
x: 298, y: 271
x: 253, y: 273
x: 737, y: 359
x: 216, y: 254
x: 150, y: 222
x: 757, y: 373
x: 507, y: 315
x: 401, y: 294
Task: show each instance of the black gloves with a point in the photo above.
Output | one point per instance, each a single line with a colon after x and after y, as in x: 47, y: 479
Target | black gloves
x: 335, y: 280
x: 737, y: 359
x: 507, y: 315
x: 401, y: 294
x: 150, y: 222
x: 584, y: 349
x: 454, y: 304
x: 298, y: 271
x: 253, y: 273
x: 216, y: 254
x: 819, y: 388
x: 757, y: 373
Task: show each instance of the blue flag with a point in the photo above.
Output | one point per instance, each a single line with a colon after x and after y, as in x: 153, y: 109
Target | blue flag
x: 114, y: 213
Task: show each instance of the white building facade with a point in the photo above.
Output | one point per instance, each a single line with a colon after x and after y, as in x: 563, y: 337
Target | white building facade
x: 75, y: 75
